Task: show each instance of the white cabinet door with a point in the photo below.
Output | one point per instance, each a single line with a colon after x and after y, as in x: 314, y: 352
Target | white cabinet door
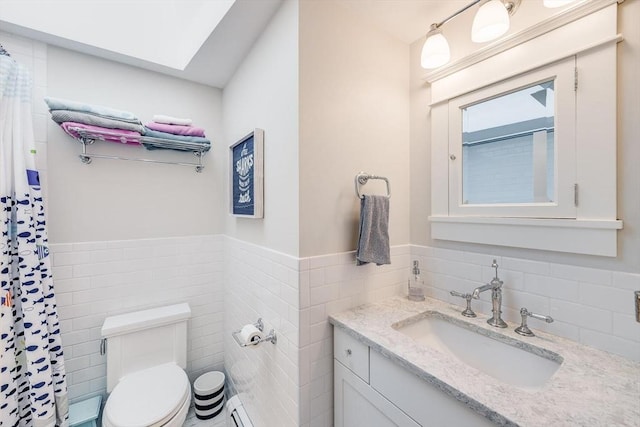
x: 358, y: 405
x: 424, y: 402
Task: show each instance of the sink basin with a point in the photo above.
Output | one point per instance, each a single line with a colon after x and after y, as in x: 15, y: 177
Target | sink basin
x: 506, y: 359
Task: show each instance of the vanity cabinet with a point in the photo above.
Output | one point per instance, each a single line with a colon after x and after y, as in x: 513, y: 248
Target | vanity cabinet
x: 371, y: 390
x: 356, y: 403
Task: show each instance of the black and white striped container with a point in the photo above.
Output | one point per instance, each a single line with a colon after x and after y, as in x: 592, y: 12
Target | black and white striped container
x: 208, y: 391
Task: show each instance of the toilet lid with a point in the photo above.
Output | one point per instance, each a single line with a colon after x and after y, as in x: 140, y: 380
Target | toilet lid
x: 148, y: 398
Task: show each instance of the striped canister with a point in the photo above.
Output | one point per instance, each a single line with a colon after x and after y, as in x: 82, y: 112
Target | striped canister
x: 208, y: 391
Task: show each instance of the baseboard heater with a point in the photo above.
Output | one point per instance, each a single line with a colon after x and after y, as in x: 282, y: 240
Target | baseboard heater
x: 237, y: 415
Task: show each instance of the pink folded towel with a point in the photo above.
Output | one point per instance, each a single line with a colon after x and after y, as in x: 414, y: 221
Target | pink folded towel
x: 176, y: 129
x: 103, y: 134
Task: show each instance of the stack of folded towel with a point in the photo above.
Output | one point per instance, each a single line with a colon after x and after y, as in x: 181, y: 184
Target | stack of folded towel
x: 180, y: 132
x: 111, y: 124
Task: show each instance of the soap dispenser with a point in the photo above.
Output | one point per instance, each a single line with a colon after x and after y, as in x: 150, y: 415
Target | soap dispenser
x: 416, y: 284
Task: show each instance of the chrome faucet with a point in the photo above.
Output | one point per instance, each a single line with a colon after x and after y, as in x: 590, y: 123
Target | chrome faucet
x: 496, y: 298
x: 523, y: 329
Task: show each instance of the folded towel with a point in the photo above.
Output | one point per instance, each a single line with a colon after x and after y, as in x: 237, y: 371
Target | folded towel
x: 175, y: 145
x: 174, y: 142
x: 373, y: 239
x: 168, y: 120
x: 61, y: 116
x: 176, y: 129
x: 106, y: 134
x: 106, y: 112
x: 181, y: 138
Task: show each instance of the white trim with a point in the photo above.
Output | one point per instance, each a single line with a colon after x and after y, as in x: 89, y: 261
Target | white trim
x: 604, y: 224
x: 573, y: 52
x: 567, y: 16
x: 572, y: 236
x: 586, y: 35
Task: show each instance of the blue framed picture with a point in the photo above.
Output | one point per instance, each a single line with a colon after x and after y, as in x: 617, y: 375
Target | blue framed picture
x: 247, y: 176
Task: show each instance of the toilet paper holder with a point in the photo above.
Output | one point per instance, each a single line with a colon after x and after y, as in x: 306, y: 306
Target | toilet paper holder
x: 260, y: 326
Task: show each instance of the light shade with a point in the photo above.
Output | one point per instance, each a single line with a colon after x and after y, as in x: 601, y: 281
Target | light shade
x: 556, y: 3
x: 491, y: 21
x: 435, y: 51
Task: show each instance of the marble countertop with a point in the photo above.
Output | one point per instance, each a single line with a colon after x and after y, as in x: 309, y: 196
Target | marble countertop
x: 591, y: 387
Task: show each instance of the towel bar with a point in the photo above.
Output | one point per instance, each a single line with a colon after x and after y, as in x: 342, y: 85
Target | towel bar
x: 87, y: 138
x: 363, y: 177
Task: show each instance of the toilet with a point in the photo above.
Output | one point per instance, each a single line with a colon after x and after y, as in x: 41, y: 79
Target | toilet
x: 146, y: 357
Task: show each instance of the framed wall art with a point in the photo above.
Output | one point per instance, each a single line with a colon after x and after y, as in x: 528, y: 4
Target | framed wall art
x: 247, y: 176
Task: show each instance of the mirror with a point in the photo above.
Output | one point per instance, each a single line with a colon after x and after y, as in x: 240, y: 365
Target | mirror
x: 508, y: 147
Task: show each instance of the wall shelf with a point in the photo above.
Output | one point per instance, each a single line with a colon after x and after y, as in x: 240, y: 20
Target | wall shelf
x: 87, y: 138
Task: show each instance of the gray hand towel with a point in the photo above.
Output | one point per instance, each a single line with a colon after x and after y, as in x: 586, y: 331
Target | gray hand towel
x: 373, y: 240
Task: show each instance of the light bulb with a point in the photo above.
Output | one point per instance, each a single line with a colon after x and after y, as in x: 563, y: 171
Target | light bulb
x: 491, y: 21
x: 435, y: 51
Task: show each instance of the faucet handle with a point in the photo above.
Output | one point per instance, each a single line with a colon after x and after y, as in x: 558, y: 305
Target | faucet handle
x: 496, y: 280
x: 467, y: 312
x: 523, y: 329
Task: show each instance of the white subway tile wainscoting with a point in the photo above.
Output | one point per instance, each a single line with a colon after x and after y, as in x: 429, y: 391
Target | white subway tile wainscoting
x: 94, y: 280
x: 590, y: 306
x: 329, y: 284
x: 262, y: 283
x: 229, y: 283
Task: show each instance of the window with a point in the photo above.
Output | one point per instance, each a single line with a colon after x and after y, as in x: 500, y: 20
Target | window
x: 512, y: 146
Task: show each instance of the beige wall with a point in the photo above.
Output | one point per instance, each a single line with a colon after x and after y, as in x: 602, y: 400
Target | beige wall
x: 354, y: 116
x: 112, y: 200
x: 628, y: 258
x: 263, y: 93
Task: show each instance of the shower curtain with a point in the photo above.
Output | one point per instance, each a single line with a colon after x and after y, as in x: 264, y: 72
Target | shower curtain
x: 33, y: 390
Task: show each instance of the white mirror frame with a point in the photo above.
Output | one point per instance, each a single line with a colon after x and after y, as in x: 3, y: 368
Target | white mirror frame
x: 563, y: 207
x: 591, y: 36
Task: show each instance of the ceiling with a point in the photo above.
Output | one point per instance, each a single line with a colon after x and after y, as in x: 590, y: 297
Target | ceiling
x: 198, y: 40
x: 239, y: 24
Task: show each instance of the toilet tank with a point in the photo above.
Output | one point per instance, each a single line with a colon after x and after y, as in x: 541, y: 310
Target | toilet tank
x: 144, y: 339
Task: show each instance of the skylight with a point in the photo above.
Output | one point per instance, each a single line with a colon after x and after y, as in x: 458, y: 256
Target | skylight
x: 165, y: 32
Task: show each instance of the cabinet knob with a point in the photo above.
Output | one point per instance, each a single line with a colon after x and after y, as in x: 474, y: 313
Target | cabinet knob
x: 348, y: 352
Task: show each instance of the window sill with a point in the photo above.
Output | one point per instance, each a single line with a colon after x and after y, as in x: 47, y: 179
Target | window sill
x: 590, y: 237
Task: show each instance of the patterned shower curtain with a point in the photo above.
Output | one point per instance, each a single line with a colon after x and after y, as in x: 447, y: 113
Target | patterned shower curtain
x: 33, y: 390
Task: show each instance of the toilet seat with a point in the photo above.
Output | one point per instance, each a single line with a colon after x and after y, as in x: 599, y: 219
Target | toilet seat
x: 148, y: 398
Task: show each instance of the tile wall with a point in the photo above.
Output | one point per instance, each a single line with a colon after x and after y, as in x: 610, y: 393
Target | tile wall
x: 97, y: 279
x: 229, y: 283
x: 330, y: 284
x: 291, y: 384
x: 591, y: 306
x: 262, y: 283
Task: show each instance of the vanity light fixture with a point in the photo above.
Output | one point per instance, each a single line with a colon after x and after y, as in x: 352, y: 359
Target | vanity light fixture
x: 490, y: 22
x: 435, y: 51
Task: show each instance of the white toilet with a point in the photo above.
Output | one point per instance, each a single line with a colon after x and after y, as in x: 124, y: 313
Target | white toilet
x: 146, y: 357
